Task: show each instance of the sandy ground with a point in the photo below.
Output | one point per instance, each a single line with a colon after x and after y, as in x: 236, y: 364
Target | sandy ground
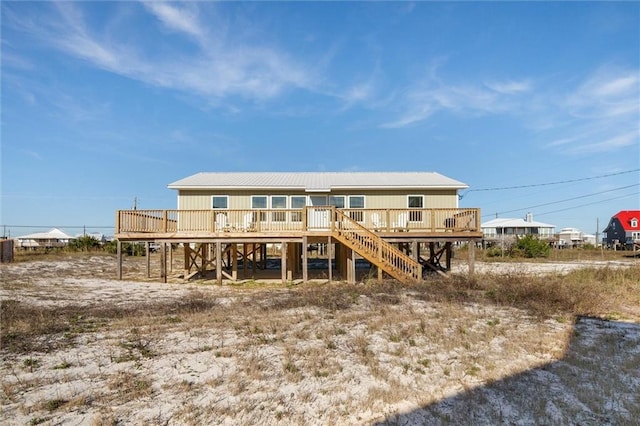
x: 381, y: 361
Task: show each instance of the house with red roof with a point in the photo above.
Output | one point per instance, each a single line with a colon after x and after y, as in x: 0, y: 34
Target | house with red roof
x: 623, y: 229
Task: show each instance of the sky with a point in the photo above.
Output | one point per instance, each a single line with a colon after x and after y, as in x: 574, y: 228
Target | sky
x: 534, y: 105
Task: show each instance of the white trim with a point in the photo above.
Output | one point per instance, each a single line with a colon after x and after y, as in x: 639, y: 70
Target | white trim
x: 415, y: 195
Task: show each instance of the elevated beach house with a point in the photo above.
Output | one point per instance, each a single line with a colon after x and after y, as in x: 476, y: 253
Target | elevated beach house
x: 500, y: 228
x: 623, y: 230
x: 400, y: 222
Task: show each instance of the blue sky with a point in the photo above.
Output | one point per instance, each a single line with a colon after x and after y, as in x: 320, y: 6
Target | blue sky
x: 106, y: 101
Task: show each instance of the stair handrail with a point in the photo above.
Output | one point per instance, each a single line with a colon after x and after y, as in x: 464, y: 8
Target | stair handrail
x: 396, y: 261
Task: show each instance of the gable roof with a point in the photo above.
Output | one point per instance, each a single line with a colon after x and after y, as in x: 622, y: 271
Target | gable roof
x: 625, y: 217
x: 52, y: 234
x: 514, y: 223
x: 318, y: 181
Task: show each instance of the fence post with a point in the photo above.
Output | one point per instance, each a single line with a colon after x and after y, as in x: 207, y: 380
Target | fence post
x: 472, y: 257
x: 332, y: 217
x: 117, y: 230
x: 305, y: 213
x: 119, y: 259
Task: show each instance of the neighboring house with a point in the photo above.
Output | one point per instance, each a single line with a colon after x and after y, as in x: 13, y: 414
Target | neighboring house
x: 510, y: 228
x: 590, y: 239
x: 623, y: 229
x: 573, y: 237
x: 382, y: 216
x: 50, y: 239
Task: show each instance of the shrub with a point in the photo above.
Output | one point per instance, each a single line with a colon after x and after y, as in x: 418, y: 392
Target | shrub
x: 84, y: 243
x: 131, y: 249
x: 528, y: 246
x: 493, y: 251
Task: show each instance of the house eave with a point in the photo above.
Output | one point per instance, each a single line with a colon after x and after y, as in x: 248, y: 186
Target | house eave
x: 315, y: 190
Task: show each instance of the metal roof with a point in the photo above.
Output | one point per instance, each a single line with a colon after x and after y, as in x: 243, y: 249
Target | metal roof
x: 52, y: 234
x: 318, y: 181
x: 514, y: 223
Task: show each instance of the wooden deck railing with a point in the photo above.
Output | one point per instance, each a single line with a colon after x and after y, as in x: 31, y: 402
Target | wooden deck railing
x: 286, y: 220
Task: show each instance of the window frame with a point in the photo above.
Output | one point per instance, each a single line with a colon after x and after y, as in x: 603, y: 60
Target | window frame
x: 263, y: 216
x: 226, y: 197
x: 413, y: 215
x: 278, y: 216
x: 358, y: 216
x: 296, y: 216
x: 332, y: 197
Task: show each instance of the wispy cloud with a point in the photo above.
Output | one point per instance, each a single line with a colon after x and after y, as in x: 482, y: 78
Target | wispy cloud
x: 433, y: 95
x: 218, y: 68
x: 601, y: 114
x: 598, y: 114
x: 510, y: 87
x: 608, y: 93
x: 178, y: 19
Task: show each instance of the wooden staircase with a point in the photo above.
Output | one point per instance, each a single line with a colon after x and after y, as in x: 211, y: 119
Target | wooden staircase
x: 373, y: 248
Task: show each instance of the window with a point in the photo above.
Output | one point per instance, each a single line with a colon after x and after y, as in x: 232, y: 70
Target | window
x: 297, y: 203
x: 220, y: 202
x: 337, y: 201
x: 259, y: 202
x: 278, y: 202
x: 415, y: 202
x: 634, y: 223
x: 356, y: 202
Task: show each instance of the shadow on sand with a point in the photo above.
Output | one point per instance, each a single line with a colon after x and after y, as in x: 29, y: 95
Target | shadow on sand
x: 597, y: 382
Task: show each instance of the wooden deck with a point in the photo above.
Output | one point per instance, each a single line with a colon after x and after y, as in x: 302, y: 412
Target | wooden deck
x: 389, y: 239
x: 187, y: 225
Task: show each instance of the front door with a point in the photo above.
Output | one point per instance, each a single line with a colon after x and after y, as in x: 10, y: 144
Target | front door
x: 318, y: 217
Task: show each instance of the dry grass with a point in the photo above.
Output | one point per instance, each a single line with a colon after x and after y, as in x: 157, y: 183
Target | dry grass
x: 339, y: 353
x: 31, y: 328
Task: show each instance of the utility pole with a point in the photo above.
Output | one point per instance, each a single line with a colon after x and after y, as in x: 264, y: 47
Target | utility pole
x: 135, y: 203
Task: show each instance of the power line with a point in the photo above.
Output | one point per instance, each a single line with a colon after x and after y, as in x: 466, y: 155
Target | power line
x: 588, y: 204
x: 502, y: 188
x: 564, y: 201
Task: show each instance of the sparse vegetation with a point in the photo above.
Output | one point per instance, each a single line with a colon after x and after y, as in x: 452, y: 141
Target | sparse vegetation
x: 84, y: 243
x: 252, y: 355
